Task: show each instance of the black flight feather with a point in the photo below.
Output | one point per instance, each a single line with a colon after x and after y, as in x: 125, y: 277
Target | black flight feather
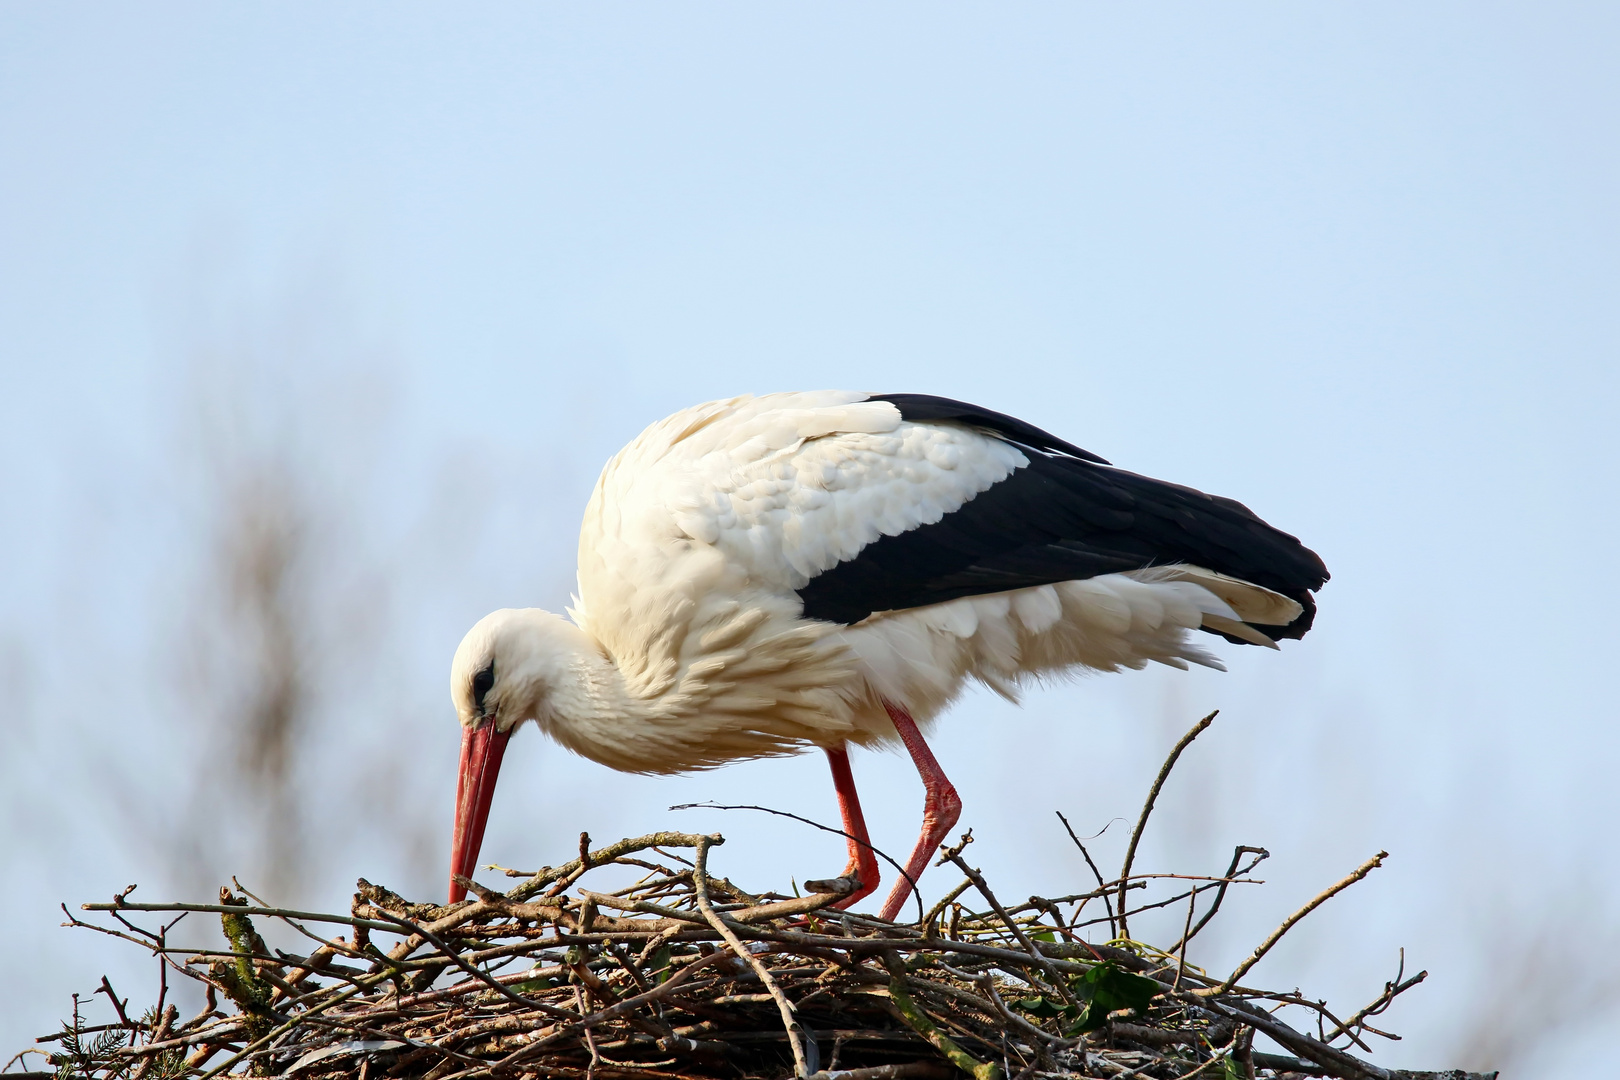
x: 1067, y: 515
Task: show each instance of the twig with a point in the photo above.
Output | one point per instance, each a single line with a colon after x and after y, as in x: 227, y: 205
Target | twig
x: 927, y: 921
x: 1392, y: 989
x: 700, y: 885
x: 1045, y: 963
x: 1181, y: 949
x: 920, y: 1022
x: 1147, y: 808
x: 599, y: 857
x: 1333, y: 1060
x: 479, y: 973
x: 266, y: 1039
x: 1232, y: 872
x: 579, y: 1002
x: 1217, y: 1057
x: 815, y: 825
x: 911, y: 1070
x: 1108, y: 904
x: 118, y: 1006
x: 1287, y: 924
x: 231, y: 909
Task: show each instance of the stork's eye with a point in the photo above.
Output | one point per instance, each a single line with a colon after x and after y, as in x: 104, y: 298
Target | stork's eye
x: 481, y: 683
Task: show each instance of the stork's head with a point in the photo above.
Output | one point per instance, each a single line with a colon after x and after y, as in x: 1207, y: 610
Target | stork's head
x: 513, y: 666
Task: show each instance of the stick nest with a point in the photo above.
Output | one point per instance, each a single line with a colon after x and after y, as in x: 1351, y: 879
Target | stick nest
x: 683, y: 974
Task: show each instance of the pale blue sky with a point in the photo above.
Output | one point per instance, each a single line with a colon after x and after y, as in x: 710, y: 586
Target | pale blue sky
x: 1355, y: 265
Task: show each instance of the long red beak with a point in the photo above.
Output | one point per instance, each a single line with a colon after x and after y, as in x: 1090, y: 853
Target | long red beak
x: 481, y: 752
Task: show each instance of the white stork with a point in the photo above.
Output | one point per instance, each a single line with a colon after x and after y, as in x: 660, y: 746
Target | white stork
x: 766, y: 574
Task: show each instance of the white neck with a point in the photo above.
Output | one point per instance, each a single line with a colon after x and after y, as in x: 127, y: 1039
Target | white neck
x: 587, y: 707
x: 551, y: 672
x: 770, y: 691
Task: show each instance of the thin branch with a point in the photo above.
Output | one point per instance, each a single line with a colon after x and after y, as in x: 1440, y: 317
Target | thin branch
x: 1108, y: 904
x: 479, y: 973
x: 1046, y: 965
x: 1392, y: 989
x: 816, y: 825
x: 1147, y: 808
x: 1232, y: 874
x: 1287, y: 924
x: 700, y: 884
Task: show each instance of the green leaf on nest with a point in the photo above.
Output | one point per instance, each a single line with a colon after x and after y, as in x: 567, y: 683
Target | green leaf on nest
x: 660, y: 964
x: 1107, y: 988
x: 1043, y: 1008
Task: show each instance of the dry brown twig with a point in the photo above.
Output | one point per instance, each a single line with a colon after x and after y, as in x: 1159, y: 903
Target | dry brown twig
x: 674, y: 964
x: 1147, y: 809
x: 1289, y: 923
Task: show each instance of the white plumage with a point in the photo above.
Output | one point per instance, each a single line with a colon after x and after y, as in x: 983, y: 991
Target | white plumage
x: 689, y: 645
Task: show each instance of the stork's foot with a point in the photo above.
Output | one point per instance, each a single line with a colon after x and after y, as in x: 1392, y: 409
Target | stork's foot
x: 841, y: 886
x: 861, y: 874
x: 862, y: 868
x: 849, y: 889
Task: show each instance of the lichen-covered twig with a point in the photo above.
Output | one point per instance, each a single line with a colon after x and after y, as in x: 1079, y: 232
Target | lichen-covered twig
x: 919, y: 1021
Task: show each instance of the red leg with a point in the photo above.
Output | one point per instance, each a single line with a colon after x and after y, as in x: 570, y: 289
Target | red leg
x: 941, y: 807
x: 862, y: 863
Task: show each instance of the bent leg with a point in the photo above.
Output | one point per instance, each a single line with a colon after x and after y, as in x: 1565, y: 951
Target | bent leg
x: 862, y: 863
x: 941, y: 807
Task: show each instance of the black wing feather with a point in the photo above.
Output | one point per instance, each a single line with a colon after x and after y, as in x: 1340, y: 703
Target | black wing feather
x: 919, y: 407
x: 1067, y: 515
